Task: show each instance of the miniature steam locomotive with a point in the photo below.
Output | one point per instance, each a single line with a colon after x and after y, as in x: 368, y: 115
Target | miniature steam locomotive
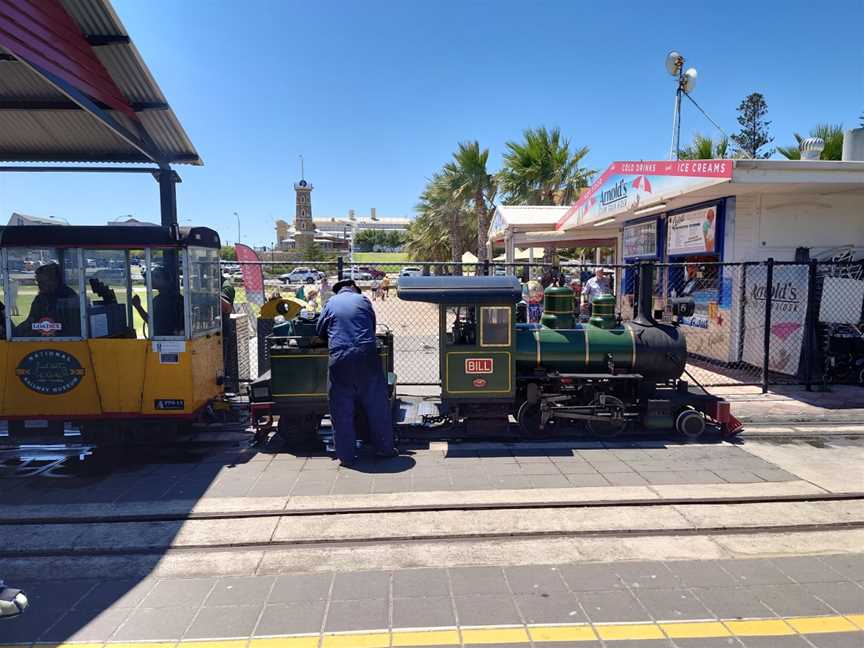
x: 492, y: 364
x: 604, y: 373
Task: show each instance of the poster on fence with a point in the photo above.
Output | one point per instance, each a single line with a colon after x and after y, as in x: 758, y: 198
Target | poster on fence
x: 788, y: 317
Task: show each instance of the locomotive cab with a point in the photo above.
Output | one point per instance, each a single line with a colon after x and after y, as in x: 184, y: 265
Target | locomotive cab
x: 476, y: 333
x: 107, y: 330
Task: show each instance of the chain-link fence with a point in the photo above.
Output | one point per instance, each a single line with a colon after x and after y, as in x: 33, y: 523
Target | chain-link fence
x: 812, y: 314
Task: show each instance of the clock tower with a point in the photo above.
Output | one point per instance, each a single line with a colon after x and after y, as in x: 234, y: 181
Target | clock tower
x: 304, y: 228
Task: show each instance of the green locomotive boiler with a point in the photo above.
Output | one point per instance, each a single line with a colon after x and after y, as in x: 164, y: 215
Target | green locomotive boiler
x: 605, y: 373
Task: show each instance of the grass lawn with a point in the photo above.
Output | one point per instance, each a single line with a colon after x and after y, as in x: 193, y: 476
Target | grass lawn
x: 380, y: 257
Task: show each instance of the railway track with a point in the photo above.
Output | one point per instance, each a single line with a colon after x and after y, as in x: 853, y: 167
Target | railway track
x: 444, y: 538
x: 427, y: 508
x: 105, y: 536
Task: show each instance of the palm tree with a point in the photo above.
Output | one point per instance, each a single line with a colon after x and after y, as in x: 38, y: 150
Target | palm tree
x: 440, y: 208
x: 704, y: 148
x: 832, y: 134
x: 427, y: 238
x: 542, y: 170
x: 470, y: 181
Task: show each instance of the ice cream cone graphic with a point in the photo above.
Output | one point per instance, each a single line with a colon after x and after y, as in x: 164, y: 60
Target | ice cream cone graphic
x: 708, y: 231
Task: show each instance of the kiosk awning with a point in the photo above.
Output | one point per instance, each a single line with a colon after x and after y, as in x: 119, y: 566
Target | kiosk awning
x: 73, y: 88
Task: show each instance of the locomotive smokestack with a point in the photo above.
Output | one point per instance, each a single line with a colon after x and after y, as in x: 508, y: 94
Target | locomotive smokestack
x: 645, y: 297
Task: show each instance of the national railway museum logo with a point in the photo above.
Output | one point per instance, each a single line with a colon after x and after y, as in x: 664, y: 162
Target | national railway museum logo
x: 47, y: 326
x: 50, y: 372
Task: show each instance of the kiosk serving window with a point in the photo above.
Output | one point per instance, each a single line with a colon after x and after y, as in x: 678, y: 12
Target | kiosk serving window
x: 204, y: 290
x: 44, y: 299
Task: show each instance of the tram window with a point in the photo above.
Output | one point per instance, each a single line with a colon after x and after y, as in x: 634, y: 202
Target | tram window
x: 43, y: 295
x: 462, y: 325
x: 138, y: 283
x: 495, y: 326
x: 166, y: 284
x: 108, y: 299
x: 2, y: 302
x: 204, y: 290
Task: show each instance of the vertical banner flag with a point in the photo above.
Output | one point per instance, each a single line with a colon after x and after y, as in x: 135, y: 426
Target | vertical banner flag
x: 253, y: 277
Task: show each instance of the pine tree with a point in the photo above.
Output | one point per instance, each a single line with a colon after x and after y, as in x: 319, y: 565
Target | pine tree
x: 754, y: 127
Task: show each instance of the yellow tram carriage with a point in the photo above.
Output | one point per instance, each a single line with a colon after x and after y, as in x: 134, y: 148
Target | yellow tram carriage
x: 107, y: 330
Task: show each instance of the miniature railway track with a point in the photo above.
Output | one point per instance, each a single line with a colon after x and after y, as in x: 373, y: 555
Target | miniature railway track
x: 428, y: 508
x: 443, y: 538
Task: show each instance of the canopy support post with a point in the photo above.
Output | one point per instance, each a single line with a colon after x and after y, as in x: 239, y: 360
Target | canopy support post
x: 167, y: 179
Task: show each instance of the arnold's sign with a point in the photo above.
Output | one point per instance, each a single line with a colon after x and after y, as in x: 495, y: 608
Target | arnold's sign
x: 50, y: 372
x: 628, y: 186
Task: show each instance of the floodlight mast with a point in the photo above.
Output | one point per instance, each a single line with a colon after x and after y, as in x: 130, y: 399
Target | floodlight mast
x: 686, y: 83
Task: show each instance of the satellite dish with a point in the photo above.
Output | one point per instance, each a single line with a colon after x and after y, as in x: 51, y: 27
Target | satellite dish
x: 674, y: 62
x: 689, y: 80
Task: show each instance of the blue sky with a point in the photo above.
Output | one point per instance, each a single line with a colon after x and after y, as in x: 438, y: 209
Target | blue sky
x: 376, y: 95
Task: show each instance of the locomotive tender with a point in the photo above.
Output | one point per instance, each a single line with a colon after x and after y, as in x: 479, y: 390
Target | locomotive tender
x: 605, y: 373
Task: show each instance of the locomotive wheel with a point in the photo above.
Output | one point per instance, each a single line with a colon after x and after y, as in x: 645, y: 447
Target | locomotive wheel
x: 690, y: 423
x: 528, y: 418
x: 300, y: 433
x: 615, y: 424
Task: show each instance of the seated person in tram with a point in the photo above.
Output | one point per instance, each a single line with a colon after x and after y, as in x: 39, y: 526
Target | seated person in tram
x: 56, y: 309
x: 168, y: 318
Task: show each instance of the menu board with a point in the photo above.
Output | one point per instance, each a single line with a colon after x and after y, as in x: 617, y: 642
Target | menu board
x: 640, y: 239
x: 692, y: 232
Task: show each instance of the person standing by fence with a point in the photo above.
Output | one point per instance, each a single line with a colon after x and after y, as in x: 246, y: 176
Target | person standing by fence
x: 597, y: 285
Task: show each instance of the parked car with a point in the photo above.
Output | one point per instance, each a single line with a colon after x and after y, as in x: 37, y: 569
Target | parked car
x: 411, y: 271
x: 358, y: 274
x: 300, y: 275
x: 375, y: 273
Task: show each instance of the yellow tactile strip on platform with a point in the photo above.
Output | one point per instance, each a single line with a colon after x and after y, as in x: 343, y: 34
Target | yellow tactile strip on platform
x: 536, y: 634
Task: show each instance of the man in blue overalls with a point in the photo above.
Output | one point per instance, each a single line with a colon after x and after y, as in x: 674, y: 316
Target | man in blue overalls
x: 356, y: 377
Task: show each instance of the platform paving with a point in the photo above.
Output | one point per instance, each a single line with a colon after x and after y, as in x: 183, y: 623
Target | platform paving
x: 796, y: 601
x: 271, y: 473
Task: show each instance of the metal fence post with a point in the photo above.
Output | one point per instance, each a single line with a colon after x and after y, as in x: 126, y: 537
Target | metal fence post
x: 766, y: 341
x: 810, y: 339
x: 339, y: 267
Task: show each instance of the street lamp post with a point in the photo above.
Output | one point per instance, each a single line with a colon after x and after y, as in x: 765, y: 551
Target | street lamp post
x: 238, y: 226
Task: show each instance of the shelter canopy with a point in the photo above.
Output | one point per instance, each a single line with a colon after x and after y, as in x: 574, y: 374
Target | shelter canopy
x: 73, y: 88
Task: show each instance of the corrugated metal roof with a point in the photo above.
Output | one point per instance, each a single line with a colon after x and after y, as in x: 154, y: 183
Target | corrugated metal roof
x: 45, y: 134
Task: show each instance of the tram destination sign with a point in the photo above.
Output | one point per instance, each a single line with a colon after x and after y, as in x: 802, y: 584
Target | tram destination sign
x: 50, y: 372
